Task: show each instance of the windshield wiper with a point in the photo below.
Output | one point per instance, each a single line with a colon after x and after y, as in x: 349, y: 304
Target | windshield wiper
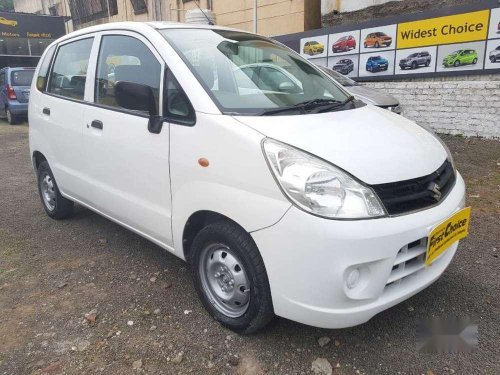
x: 336, y: 105
x: 302, y: 106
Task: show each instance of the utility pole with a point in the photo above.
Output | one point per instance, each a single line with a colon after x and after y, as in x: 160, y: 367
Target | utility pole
x: 255, y: 16
x: 109, y: 11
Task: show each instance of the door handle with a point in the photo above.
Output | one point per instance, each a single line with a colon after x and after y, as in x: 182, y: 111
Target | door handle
x: 46, y: 111
x: 97, y: 124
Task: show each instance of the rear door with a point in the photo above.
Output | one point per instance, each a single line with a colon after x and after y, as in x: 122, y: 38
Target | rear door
x: 126, y: 166
x: 59, y: 113
x: 20, y: 80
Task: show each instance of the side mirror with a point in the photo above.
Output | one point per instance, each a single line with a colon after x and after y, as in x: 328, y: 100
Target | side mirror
x: 288, y: 87
x: 139, y: 97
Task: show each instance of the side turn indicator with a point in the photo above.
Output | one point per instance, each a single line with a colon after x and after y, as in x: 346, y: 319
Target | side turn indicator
x: 203, y: 162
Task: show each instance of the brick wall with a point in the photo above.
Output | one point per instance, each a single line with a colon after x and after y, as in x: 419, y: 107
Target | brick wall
x: 467, y: 105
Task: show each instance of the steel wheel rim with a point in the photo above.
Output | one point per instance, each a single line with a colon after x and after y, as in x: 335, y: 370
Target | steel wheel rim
x: 224, y: 280
x: 48, y: 192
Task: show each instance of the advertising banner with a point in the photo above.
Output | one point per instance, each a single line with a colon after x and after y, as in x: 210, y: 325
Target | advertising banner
x: 450, y: 41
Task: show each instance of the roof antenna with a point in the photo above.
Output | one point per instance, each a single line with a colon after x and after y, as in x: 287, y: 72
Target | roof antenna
x: 210, y: 22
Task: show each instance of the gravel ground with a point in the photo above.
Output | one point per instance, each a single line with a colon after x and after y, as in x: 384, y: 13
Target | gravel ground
x: 143, y: 314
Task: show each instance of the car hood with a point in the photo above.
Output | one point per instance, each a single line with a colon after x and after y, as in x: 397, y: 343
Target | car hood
x: 372, y: 96
x: 372, y: 144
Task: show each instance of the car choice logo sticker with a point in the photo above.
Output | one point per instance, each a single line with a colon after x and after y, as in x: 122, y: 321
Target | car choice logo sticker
x: 445, y: 234
x: 466, y: 27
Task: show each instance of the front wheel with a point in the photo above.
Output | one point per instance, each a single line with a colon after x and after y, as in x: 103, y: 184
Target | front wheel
x: 456, y: 63
x: 54, y: 204
x: 493, y: 59
x: 474, y: 61
x: 230, y: 277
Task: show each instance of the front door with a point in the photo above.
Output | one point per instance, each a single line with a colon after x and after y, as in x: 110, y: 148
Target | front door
x: 127, y: 166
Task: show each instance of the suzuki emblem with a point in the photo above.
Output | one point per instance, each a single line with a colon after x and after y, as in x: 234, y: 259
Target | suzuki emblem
x: 436, y: 189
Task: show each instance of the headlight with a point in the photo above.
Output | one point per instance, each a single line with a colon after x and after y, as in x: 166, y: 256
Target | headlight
x: 318, y: 187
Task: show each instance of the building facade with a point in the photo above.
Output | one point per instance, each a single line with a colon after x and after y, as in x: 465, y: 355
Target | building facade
x: 274, y: 17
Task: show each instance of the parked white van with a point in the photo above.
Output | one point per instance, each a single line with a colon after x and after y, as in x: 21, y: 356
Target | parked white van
x: 286, y: 199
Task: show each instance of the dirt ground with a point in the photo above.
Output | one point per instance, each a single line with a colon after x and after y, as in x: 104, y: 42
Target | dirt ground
x: 143, y: 314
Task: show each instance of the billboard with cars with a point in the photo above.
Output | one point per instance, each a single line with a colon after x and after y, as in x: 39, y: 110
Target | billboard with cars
x: 449, y: 41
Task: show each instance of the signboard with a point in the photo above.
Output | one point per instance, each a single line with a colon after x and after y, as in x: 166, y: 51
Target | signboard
x: 22, y: 25
x: 450, y: 41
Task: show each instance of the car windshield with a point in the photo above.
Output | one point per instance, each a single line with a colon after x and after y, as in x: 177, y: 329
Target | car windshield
x: 380, y: 34
x: 250, y: 74
x: 343, y: 80
x: 21, y: 77
x: 413, y: 55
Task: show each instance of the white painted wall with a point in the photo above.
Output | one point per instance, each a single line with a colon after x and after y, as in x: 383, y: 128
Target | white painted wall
x: 465, y: 105
x: 328, y: 6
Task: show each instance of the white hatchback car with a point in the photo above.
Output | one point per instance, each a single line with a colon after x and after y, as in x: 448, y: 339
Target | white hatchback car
x: 294, y: 200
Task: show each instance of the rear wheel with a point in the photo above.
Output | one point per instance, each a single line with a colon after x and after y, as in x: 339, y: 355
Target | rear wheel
x: 474, y: 61
x: 11, y: 119
x: 230, y: 277
x: 54, y: 204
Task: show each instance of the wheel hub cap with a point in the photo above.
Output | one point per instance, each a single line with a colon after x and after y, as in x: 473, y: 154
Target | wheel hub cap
x: 224, y: 280
x: 48, y: 192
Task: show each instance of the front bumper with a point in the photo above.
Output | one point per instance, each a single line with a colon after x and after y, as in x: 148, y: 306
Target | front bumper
x: 308, y: 259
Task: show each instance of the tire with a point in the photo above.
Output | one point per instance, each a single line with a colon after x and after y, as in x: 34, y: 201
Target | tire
x: 54, y: 204
x: 427, y: 63
x: 366, y: 46
x: 311, y: 52
x: 377, y: 45
x: 474, y: 62
x: 456, y: 63
x: 11, y: 119
x: 414, y: 65
x: 242, y: 264
x: 493, y: 59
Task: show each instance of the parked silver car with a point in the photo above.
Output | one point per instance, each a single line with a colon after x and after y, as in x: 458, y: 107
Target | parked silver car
x: 363, y: 93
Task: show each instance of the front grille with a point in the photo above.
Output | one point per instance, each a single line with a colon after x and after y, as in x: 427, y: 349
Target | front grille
x: 416, y: 194
x: 410, y: 260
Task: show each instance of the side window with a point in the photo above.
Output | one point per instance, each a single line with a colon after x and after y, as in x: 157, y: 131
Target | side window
x: 125, y: 58
x: 41, y: 79
x: 177, y: 105
x: 69, y: 73
x: 2, y: 79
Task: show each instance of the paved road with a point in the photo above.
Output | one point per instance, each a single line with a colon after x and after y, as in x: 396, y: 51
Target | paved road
x: 147, y: 313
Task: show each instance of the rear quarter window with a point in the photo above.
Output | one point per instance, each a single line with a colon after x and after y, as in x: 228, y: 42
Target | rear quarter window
x: 41, y: 79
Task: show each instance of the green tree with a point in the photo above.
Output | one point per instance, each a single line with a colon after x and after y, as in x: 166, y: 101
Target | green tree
x: 6, y: 5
